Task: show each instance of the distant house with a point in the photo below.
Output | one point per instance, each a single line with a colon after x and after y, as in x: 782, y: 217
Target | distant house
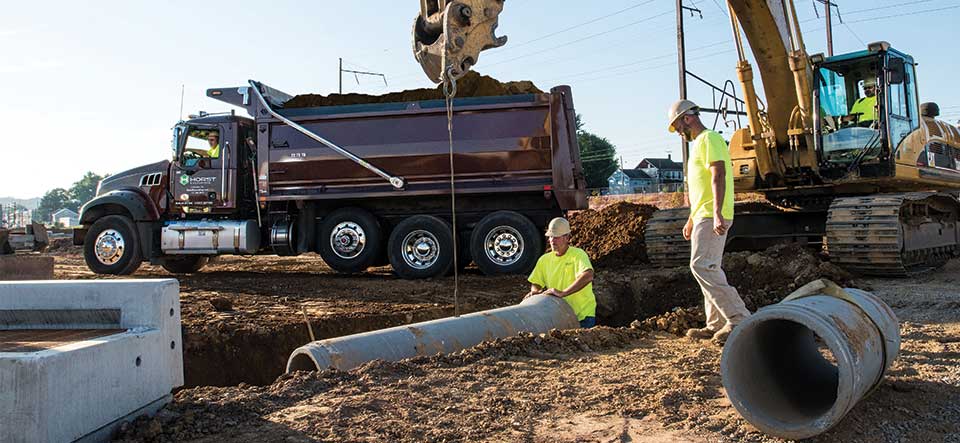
x: 666, y: 173
x: 630, y: 181
x: 65, y: 217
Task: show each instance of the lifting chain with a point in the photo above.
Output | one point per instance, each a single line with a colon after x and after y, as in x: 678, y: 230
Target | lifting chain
x: 449, y: 92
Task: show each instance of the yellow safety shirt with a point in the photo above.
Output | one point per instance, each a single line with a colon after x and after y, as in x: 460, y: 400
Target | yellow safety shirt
x: 214, y: 152
x: 559, y: 272
x: 707, y: 148
x: 866, y: 107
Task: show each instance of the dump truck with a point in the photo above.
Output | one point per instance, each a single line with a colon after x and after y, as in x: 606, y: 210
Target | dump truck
x: 362, y: 185
x: 843, y: 146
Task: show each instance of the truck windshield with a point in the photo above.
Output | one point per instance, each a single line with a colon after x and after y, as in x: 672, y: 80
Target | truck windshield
x: 847, y: 93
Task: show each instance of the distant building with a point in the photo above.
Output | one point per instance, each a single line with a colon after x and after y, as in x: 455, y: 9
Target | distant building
x: 666, y: 173
x: 65, y: 218
x: 630, y: 181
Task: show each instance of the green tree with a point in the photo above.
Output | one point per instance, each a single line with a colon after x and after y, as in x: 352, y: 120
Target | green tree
x: 53, y: 201
x: 598, y: 156
x: 85, y: 189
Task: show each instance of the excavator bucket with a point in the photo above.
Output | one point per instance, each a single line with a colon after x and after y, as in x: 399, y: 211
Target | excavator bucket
x: 457, y: 29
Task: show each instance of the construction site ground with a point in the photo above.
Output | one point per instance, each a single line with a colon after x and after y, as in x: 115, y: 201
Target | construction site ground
x: 243, y: 315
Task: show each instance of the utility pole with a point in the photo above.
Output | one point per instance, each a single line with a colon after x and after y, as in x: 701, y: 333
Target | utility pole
x: 682, y: 68
x: 358, y: 73
x: 827, y: 4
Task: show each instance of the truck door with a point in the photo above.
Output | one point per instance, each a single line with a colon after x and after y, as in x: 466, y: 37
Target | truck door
x: 204, y: 178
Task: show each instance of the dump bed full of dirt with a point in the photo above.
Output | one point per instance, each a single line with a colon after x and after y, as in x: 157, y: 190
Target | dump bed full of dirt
x: 472, y: 84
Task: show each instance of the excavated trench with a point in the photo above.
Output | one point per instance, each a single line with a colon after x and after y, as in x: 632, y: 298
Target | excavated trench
x: 258, y: 356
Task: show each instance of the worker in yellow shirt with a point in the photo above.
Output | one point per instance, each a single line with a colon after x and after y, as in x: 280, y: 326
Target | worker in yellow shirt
x: 214, y: 140
x: 864, y: 110
x: 565, y: 272
x: 710, y: 190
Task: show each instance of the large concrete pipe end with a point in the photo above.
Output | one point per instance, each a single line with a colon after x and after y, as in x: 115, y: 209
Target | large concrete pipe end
x: 537, y: 314
x: 796, y: 368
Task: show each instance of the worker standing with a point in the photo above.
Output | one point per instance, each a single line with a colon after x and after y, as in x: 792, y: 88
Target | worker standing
x: 710, y: 191
x: 565, y: 272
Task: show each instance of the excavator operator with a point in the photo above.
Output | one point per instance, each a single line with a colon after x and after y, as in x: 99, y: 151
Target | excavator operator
x: 864, y: 110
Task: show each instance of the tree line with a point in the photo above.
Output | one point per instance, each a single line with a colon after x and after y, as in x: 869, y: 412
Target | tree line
x: 73, y: 198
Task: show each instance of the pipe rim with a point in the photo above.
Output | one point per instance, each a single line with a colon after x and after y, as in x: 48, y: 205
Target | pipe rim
x: 845, y: 378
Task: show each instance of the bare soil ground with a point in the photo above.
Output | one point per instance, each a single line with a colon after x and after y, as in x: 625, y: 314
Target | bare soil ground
x: 243, y: 316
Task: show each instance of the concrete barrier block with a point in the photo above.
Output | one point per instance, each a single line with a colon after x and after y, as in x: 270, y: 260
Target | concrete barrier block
x: 26, y: 267
x: 78, y: 357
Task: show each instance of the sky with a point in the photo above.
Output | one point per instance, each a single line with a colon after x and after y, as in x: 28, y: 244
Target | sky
x: 96, y: 85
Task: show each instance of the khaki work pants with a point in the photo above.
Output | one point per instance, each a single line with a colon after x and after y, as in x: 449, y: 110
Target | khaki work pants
x: 721, y: 302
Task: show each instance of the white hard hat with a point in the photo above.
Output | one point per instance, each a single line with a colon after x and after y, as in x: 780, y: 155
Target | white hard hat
x: 558, y: 227
x: 869, y: 81
x: 678, y: 109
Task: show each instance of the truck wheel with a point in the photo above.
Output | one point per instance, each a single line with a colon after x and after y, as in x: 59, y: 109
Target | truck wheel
x: 112, y: 246
x: 421, y: 247
x: 350, y: 240
x: 187, y: 264
x: 505, y: 242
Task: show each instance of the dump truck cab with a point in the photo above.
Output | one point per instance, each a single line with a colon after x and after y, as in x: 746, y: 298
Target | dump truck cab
x: 207, y: 177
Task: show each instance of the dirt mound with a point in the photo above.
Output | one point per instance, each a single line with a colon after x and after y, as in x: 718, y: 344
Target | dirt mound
x: 472, y: 84
x: 675, y: 322
x: 612, y: 236
x: 63, y: 246
x: 762, y: 278
x: 203, y: 411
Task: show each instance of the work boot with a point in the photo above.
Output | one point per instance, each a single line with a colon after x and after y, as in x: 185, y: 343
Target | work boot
x: 720, y: 337
x: 700, y: 333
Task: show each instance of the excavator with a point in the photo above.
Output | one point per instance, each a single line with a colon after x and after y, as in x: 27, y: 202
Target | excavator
x: 841, y: 147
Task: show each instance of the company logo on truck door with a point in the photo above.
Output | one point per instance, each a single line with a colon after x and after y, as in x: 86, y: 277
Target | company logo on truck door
x: 188, y: 180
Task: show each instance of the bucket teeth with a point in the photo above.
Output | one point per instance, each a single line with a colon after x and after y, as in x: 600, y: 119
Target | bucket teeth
x: 461, y: 29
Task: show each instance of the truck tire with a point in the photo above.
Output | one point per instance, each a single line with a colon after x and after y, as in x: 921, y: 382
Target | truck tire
x: 350, y: 240
x: 185, y: 264
x: 505, y: 242
x: 421, y: 246
x: 112, y: 246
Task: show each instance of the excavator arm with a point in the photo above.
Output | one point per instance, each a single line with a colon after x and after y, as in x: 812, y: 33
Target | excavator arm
x: 780, y: 134
x: 449, y: 35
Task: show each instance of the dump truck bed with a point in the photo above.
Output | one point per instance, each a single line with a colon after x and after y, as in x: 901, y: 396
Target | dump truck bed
x: 501, y: 144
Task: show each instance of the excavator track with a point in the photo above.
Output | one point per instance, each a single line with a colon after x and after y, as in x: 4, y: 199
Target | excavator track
x: 893, y: 235
x: 666, y: 247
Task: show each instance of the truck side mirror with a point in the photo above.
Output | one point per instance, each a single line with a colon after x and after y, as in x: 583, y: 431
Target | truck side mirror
x: 895, y: 71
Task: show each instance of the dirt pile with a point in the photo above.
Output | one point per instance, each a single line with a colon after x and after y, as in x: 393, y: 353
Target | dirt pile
x: 762, y: 278
x: 472, y: 84
x: 675, y: 322
x: 63, y: 246
x: 613, y: 235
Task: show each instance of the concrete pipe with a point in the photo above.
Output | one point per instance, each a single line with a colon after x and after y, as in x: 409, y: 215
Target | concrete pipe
x: 536, y: 314
x: 794, y: 369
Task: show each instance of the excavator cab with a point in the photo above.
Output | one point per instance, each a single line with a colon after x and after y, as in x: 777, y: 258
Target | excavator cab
x: 867, y: 106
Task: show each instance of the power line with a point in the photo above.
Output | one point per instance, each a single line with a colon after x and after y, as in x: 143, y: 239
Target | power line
x: 863, y: 43
x: 905, y: 14
x: 646, y: 19
x: 579, y: 25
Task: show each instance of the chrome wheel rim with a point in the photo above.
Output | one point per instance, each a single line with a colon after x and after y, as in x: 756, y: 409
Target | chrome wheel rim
x: 348, y: 240
x: 109, y: 247
x: 421, y: 250
x: 503, y: 245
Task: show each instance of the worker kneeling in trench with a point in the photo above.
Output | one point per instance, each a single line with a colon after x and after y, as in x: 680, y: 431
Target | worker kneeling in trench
x: 565, y: 272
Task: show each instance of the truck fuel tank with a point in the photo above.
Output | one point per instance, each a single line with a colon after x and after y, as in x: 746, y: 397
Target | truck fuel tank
x: 210, y: 237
